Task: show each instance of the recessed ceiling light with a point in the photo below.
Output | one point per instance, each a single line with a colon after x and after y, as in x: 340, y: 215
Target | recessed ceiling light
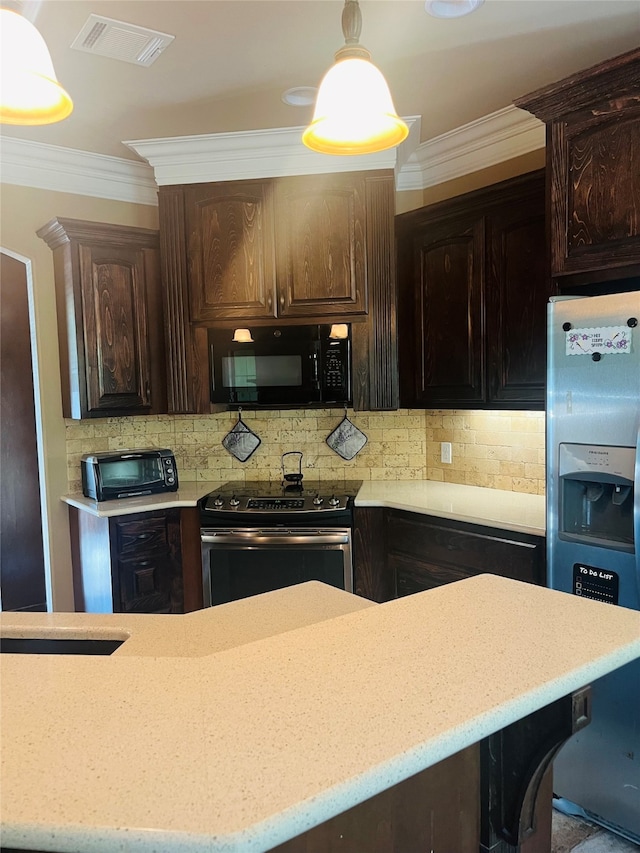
x: 300, y: 96
x: 451, y: 8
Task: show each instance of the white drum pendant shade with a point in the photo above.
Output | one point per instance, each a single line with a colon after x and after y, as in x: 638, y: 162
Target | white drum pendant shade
x: 29, y: 90
x: 354, y: 112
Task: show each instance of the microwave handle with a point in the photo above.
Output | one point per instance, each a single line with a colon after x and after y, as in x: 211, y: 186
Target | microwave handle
x: 316, y: 371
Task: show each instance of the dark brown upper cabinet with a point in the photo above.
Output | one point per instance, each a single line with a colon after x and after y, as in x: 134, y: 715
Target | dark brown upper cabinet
x: 472, y: 294
x: 593, y: 157
x: 312, y: 248
x: 110, y: 318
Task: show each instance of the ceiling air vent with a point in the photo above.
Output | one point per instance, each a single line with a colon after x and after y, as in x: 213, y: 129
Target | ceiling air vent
x: 119, y: 40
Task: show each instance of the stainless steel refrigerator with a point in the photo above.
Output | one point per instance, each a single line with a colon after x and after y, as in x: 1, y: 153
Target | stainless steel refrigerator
x: 593, y: 531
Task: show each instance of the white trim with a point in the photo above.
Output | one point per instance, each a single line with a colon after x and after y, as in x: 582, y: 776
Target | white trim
x: 67, y: 170
x: 251, y: 154
x: 42, y: 472
x: 497, y: 137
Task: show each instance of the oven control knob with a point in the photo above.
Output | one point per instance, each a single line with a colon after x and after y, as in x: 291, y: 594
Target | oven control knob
x: 234, y: 501
x: 334, y: 501
x: 318, y: 501
x: 218, y: 502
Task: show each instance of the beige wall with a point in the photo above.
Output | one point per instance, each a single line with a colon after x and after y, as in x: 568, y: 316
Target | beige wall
x: 22, y: 212
x: 413, y: 199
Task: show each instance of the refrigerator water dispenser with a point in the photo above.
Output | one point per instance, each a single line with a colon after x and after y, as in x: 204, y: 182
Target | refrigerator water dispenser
x: 596, y: 495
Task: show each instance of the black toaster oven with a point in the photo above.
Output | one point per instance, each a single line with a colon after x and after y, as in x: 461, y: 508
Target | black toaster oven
x: 128, y: 473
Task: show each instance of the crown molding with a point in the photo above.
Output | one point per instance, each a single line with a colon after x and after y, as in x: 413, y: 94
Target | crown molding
x: 67, y: 170
x: 489, y: 140
x: 497, y: 137
x: 271, y: 153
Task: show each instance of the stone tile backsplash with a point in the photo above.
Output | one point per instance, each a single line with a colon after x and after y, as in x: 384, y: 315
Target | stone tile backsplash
x: 500, y: 450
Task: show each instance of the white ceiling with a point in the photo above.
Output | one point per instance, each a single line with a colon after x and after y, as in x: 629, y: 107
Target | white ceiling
x: 232, y: 59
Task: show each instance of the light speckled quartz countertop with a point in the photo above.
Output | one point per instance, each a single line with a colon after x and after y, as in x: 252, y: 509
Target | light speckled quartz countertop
x: 195, y: 634
x: 246, y: 747
x: 473, y: 504
x: 187, y: 495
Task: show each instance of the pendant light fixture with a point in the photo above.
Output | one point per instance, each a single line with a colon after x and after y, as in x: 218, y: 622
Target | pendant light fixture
x: 29, y: 90
x: 354, y: 112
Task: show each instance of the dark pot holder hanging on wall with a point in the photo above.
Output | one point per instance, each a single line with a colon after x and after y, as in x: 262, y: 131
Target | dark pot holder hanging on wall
x: 241, y: 441
x: 346, y: 439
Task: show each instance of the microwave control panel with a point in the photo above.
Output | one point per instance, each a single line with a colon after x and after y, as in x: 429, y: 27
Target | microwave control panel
x: 335, y: 372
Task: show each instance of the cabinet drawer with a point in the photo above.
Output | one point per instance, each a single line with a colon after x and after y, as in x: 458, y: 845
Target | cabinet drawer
x: 470, y: 549
x: 143, y: 536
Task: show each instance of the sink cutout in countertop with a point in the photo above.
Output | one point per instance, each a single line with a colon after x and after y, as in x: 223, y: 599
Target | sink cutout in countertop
x: 48, y: 646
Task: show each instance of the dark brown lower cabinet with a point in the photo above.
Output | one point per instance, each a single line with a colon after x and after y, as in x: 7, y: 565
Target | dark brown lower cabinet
x: 142, y: 563
x: 437, y: 810
x: 398, y: 553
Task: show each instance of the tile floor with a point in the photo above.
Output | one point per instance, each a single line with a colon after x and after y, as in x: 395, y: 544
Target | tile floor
x: 574, y: 835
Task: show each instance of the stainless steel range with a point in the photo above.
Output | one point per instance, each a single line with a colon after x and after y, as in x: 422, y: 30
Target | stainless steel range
x: 257, y: 537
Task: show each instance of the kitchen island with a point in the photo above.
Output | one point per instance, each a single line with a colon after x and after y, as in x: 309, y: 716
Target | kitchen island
x: 246, y: 744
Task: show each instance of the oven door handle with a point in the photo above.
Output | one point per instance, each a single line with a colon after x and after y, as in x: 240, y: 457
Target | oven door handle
x: 258, y: 538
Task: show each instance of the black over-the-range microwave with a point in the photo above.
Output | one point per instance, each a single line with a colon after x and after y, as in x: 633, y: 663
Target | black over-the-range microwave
x: 281, y: 365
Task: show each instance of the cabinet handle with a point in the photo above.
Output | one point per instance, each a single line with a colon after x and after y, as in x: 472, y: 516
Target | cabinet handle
x: 269, y: 301
x: 282, y: 301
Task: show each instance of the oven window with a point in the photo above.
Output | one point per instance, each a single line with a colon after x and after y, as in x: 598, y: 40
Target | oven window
x: 126, y: 473
x: 240, y: 573
x: 259, y: 371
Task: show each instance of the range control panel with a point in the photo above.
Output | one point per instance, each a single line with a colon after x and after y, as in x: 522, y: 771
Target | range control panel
x: 592, y: 582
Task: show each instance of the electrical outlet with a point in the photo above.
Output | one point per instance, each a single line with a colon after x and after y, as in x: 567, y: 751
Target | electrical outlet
x: 445, y: 451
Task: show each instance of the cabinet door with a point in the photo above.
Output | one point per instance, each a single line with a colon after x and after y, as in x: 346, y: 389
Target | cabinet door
x: 146, y: 563
x: 116, y: 333
x: 230, y: 244
x: 321, y: 245
x: 441, y: 356
x: 516, y: 294
x: 371, y: 577
x: 595, y: 191
x: 110, y: 318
